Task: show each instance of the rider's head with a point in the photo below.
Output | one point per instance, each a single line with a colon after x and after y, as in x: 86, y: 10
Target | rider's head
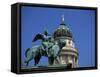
x: 46, y: 33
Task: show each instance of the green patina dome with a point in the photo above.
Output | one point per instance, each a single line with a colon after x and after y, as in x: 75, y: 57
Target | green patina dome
x: 62, y: 31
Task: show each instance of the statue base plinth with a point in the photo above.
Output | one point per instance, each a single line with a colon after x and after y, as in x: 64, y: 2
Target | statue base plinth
x: 45, y: 67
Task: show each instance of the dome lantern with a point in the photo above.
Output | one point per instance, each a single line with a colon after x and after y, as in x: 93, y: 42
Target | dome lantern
x: 62, y: 30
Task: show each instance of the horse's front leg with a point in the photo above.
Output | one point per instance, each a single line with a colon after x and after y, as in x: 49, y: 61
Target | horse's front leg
x: 51, y: 60
x: 37, y: 59
x: 56, y: 60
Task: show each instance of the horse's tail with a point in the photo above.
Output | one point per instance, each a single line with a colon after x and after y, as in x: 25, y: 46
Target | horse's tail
x: 26, y: 51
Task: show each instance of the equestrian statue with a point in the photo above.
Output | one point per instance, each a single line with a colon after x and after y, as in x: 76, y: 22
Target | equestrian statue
x: 48, y: 48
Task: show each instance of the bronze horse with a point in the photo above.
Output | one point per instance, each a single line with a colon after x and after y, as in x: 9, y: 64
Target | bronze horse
x: 48, y: 48
x: 36, y: 52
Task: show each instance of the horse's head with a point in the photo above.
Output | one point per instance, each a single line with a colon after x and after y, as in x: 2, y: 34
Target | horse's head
x: 61, y: 43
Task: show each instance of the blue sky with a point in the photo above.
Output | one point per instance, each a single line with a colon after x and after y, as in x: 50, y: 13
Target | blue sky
x: 82, y: 23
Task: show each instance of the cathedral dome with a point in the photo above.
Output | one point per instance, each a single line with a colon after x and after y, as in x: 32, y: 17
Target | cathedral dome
x: 62, y: 30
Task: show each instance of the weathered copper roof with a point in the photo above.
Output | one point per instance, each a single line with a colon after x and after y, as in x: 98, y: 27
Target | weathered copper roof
x: 62, y: 31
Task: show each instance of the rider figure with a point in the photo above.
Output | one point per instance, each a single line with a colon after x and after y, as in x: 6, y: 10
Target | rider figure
x: 46, y: 42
